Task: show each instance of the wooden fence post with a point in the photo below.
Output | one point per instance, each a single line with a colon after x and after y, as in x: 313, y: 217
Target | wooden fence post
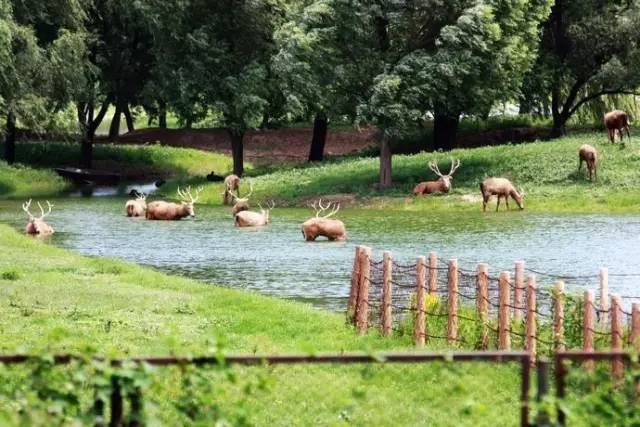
x: 616, y: 338
x: 355, y: 284
x: 518, y: 290
x: 504, y: 290
x: 588, y: 326
x: 433, y: 273
x: 531, y: 331
x: 452, y: 308
x: 635, y: 326
x: 387, y: 265
x: 362, y: 315
x: 419, y: 332
x: 482, y: 302
x: 604, y: 289
x: 558, y: 315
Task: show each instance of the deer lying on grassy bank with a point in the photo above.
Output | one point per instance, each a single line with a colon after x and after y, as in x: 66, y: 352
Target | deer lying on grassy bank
x: 442, y: 185
x: 332, y: 229
x: 500, y: 187
x: 167, y: 211
x: 617, y: 121
x: 253, y: 219
x: 588, y: 154
x: 36, y: 224
x: 240, y: 203
x: 231, y: 185
x: 136, y: 207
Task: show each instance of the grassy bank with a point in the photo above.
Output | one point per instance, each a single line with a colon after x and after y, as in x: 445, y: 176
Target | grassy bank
x: 25, y: 182
x: 547, y: 171
x: 55, y: 301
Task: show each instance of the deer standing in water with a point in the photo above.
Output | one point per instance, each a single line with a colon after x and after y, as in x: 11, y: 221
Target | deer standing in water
x: 253, y: 219
x: 332, y: 229
x: 167, y: 211
x: 136, y: 207
x: 442, y: 185
x: 36, y: 224
x: 240, y: 203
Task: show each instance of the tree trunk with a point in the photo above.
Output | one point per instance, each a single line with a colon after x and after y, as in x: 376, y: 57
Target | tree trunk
x: 319, y: 139
x: 86, y: 150
x: 445, y: 129
x: 237, y: 150
x: 162, y: 115
x: 114, y: 129
x: 10, y: 139
x: 385, y: 162
x: 128, y: 118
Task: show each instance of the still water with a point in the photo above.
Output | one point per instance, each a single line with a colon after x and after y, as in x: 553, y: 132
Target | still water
x: 275, y: 260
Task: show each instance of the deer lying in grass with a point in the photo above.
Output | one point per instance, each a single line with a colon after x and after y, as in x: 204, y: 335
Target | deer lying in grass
x: 231, y: 184
x: 253, y: 219
x: 36, y: 224
x: 136, y: 207
x: 500, y: 187
x: 240, y: 203
x: 167, y: 211
x: 588, y: 154
x: 617, y: 121
x: 442, y: 185
x: 332, y: 229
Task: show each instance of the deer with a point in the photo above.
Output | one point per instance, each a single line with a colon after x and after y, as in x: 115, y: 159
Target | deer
x: 240, y: 203
x: 588, y: 154
x: 617, y: 120
x: 442, y: 185
x: 253, y: 219
x: 500, y: 187
x: 167, y: 211
x: 136, y: 207
x: 332, y: 229
x: 231, y: 184
x: 36, y: 225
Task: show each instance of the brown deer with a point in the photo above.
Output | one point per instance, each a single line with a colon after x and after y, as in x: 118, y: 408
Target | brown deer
x: 240, y: 203
x: 253, y: 219
x: 588, y: 154
x: 617, y: 120
x: 161, y: 210
x: 136, y: 207
x: 36, y: 225
x: 442, y: 185
x: 500, y: 187
x: 231, y: 184
x: 332, y: 229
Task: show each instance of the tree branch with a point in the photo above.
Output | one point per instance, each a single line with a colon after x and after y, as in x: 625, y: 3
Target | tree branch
x: 599, y: 94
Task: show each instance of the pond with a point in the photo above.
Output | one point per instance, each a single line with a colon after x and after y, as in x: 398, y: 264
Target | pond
x: 275, y: 260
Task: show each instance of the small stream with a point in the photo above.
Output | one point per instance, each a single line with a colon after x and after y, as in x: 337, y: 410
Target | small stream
x: 275, y: 260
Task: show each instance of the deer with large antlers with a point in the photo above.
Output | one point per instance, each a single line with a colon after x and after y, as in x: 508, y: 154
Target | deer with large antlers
x: 136, y: 207
x: 168, y: 211
x: 231, y: 184
x: 332, y: 229
x: 253, y: 219
x: 240, y: 203
x: 36, y: 224
x: 617, y: 121
x: 442, y: 185
x: 500, y: 187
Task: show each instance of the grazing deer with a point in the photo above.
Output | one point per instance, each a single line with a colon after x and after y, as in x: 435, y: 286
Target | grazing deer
x: 588, y: 154
x: 240, y: 203
x: 332, y: 229
x: 442, y: 185
x: 36, y: 225
x: 253, y: 219
x: 500, y: 187
x: 162, y: 210
x: 231, y: 184
x: 136, y: 207
x: 617, y: 120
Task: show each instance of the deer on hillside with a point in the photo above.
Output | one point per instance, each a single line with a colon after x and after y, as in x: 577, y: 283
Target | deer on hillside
x: 231, y: 184
x: 588, y: 154
x: 332, y: 229
x: 442, y: 185
x: 136, y: 207
x: 36, y: 224
x: 253, y: 219
x: 161, y: 210
x: 617, y: 121
x: 500, y: 187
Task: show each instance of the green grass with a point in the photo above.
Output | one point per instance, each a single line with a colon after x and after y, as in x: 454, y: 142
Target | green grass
x: 546, y: 170
x: 25, y: 182
x: 54, y: 301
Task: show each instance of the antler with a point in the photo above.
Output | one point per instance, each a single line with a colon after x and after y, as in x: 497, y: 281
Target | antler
x: 141, y: 196
x: 434, y: 167
x: 319, y: 208
x: 270, y: 206
x: 49, y: 205
x: 455, y: 164
x: 184, y: 195
x: 246, y: 197
x: 25, y: 207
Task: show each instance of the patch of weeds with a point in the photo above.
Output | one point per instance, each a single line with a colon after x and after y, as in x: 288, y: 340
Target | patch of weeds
x: 184, y: 309
x: 10, y: 275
